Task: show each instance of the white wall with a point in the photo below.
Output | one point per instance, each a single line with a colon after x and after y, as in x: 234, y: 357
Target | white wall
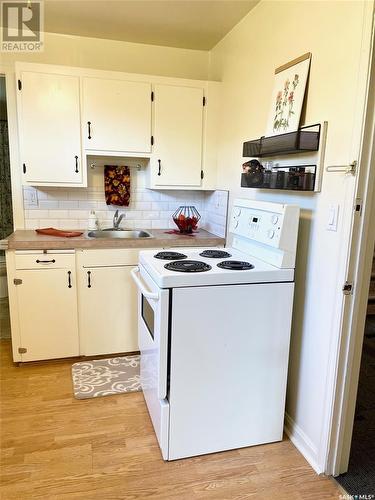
x: 114, y: 55
x: 274, y: 33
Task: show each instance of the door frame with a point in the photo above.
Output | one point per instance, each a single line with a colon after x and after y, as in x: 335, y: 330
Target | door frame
x: 359, y: 263
x: 14, y: 156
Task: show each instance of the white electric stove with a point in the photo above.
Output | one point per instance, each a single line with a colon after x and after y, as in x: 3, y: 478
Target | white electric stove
x: 214, y: 331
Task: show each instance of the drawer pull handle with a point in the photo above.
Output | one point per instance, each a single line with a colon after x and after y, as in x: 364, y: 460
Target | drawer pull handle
x: 69, y: 279
x: 159, y: 172
x: 89, y: 129
x: 45, y: 261
x: 88, y: 279
x: 76, y: 157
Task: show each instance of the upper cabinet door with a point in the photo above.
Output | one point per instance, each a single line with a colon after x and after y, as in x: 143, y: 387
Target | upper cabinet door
x: 117, y: 115
x: 178, y: 131
x: 50, y: 135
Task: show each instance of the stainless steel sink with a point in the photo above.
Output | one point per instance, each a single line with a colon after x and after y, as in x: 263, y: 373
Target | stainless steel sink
x: 122, y: 233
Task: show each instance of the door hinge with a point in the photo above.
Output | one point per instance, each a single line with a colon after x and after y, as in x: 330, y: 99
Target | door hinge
x: 19, y: 85
x: 347, y: 289
x: 204, y: 100
x: 17, y: 281
x: 152, y: 140
x: 358, y: 205
x: 152, y: 96
x: 22, y: 350
x: 24, y: 168
x: 202, y: 174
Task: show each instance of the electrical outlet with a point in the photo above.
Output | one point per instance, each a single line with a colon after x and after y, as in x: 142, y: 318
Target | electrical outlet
x: 30, y: 197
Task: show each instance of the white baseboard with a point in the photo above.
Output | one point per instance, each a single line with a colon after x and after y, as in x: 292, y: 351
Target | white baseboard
x: 302, y: 443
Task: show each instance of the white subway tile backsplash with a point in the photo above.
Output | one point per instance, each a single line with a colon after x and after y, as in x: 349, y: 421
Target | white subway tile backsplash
x: 142, y: 205
x: 140, y: 224
x: 31, y: 223
x: 166, y: 214
x: 87, y: 205
x: 160, y: 205
x: 48, y: 223
x: 150, y: 196
x: 68, y: 204
x: 133, y: 214
x: 56, y: 194
x: 48, y: 204
x: 82, y: 224
x: 69, y: 208
x: 77, y: 194
x: 150, y: 215
x: 159, y: 224
x: 68, y: 223
x: 42, y: 195
x: 58, y: 214
x: 37, y: 214
x: 78, y: 214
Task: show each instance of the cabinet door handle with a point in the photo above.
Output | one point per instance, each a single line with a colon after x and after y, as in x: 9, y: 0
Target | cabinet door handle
x: 69, y: 279
x: 159, y: 172
x: 88, y: 279
x: 45, y: 261
x: 76, y: 157
x: 89, y: 129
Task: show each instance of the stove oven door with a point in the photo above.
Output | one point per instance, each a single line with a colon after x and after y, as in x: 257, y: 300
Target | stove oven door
x: 153, y: 314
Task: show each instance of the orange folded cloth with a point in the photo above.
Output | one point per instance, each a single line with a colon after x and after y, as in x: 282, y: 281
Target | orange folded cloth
x: 117, y: 185
x: 51, y: 231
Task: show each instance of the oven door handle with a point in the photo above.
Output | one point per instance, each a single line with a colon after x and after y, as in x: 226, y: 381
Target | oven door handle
x: 149, y: 295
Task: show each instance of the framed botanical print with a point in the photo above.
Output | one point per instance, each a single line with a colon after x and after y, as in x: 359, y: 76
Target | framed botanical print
x: 288, y: 95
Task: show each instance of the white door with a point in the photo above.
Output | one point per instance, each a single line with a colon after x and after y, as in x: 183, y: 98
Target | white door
x: 117, y: 115
x: 107, y: 311
x: 178, y: 135
x: 50, y: 134
x: 47, y: 313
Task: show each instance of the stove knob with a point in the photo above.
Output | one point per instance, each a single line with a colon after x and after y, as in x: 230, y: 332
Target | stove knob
x: 274, y: 219
x: 271, y: 233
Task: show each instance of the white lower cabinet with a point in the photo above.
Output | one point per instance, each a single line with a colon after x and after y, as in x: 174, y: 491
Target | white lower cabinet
x: 107, y: 310
x: 43, y: 303
x: 107, y: 301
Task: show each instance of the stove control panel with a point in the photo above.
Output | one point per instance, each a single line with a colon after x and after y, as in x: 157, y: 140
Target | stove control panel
x: 258, y: 225
x: 267, y: 230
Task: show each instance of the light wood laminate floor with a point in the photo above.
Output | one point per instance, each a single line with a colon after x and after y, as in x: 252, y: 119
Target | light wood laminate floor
x: 55, y: 447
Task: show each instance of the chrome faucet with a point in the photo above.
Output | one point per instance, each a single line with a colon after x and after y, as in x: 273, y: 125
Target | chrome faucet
x: 117, y: 220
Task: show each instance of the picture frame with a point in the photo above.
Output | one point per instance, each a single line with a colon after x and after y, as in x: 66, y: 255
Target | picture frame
x: 288, y: 95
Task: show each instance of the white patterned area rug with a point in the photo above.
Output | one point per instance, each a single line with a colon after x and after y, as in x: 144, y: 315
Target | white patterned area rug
x: 105, y: 377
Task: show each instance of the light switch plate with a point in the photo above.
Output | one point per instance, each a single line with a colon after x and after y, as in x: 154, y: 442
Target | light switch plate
x: 333, y: 216
x: 30, y: 197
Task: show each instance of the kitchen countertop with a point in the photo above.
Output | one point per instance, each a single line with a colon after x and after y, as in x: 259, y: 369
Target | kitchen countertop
x: 30, y: 240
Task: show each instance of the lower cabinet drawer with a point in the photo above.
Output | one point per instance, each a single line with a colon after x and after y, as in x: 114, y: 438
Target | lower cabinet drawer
x: 40, y: 260
x: 108, y: 257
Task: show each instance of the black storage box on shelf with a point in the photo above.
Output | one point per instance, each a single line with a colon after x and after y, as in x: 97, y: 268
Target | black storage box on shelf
x: 301, y: 141
x: 295, y: 178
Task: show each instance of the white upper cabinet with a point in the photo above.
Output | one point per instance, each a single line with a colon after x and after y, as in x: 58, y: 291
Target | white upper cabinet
x: 66, y: 114
x: 50, y: 132
x: 178, y: 136
x: 116, y: 115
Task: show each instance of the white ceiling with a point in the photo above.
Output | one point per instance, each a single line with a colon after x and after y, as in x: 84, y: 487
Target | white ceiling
x: 192, y: 24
